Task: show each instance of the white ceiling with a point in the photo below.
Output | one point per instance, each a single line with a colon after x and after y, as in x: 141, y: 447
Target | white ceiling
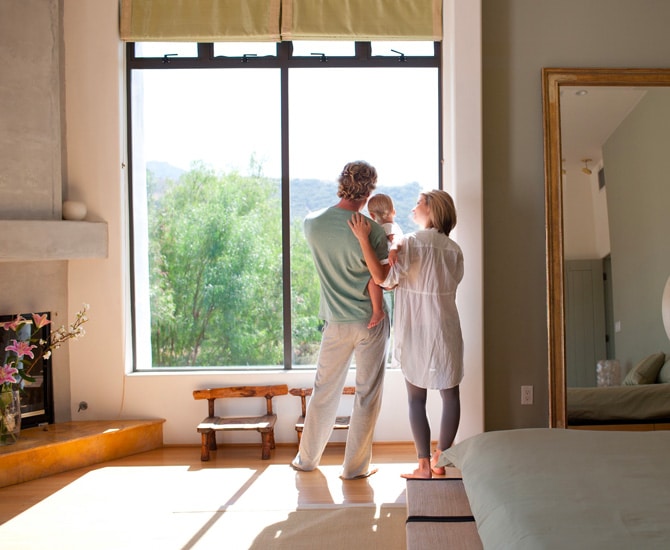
x: 587, y: 120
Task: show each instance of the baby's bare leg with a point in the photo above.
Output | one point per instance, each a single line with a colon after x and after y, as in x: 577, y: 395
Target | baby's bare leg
x: 377, y: 298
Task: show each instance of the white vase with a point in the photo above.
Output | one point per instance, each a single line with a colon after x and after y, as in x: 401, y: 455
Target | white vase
x: 74, y: 210
x: 10, y: 416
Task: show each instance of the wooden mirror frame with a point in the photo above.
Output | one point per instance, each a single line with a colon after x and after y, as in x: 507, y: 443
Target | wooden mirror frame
x: 552, y: 81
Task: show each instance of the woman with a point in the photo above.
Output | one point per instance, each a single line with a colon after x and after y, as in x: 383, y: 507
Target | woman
x: 428, y: 344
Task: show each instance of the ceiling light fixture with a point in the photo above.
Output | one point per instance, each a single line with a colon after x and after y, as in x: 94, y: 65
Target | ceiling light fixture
x: 586, y: 170
x: 581, y: 92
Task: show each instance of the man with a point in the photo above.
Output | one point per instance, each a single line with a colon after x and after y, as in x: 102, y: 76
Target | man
x: 346, y: 309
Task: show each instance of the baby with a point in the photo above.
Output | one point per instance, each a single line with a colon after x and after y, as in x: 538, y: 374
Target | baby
x: 382, y: 211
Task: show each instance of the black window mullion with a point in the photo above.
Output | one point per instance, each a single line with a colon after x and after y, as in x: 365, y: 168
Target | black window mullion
x: 286, y: 210
x: 205, y: 50
x: 206, y: 59
x: 363, y: 50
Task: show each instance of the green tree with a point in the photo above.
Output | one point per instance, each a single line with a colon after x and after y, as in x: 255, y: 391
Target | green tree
x: 305, y: 289
x: 215, y: 270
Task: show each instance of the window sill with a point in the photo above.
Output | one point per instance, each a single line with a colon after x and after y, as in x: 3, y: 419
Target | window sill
x: 43, y: 240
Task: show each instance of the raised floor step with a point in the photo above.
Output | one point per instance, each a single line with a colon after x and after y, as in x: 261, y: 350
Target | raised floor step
x: 56, y: 448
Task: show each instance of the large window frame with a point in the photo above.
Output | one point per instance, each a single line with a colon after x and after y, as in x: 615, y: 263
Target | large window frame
x: 284, y: 60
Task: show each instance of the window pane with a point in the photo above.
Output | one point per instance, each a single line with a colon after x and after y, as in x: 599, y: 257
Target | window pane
x: 207, y: 217
x: 160, y: 49
x: 240, y: 49
x: 384, y: 116
x: 405, y: 47
x: 308, y: 48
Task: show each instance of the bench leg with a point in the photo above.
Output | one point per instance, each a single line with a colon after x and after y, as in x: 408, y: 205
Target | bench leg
x: 204, y: 448
x: 211, y: 441
x: 299, y: 432
x: 267, y: 439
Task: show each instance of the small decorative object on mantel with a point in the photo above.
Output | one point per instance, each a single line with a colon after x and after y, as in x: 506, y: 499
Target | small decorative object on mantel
x: 24, y: 352
x: 74, y: 210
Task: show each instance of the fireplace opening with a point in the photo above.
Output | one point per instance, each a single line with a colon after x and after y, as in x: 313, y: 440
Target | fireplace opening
x: 37, y: 406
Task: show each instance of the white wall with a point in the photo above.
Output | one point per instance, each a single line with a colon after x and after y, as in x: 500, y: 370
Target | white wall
x: 99, y: 363
x: 585, y: 230
x: 638, y: 192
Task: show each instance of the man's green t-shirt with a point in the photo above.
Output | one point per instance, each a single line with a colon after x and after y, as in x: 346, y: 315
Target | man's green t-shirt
x: 339, y: 261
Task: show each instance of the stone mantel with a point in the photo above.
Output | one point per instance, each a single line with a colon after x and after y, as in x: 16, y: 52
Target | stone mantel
x: 41, y: 240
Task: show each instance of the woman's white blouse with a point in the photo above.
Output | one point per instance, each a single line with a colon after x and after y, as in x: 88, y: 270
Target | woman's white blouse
x: 428, y: 344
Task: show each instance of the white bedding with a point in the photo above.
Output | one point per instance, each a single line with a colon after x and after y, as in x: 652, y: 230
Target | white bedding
x: 551, y: 488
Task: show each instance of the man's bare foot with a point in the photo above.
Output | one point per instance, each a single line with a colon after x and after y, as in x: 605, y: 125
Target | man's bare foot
x: 377, y: 317
x: 422, y: 472
x: 437, y: 470
x: 371, y: 471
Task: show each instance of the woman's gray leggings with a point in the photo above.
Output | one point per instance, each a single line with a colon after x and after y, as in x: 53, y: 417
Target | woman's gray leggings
x: 418, y: 419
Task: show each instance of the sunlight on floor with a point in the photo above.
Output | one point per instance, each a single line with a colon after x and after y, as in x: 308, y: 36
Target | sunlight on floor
x: 208, y: 505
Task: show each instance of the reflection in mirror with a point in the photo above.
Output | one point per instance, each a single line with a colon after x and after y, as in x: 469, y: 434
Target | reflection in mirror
x: 607, y: 161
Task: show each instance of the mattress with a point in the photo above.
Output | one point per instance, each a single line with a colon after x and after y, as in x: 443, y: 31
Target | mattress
x: 554, y: 489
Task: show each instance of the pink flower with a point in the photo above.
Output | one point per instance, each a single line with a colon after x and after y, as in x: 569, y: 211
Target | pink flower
x: 7, y: 373
x: 40, y: 320
x: 16, y: 323
x: 21, y: 348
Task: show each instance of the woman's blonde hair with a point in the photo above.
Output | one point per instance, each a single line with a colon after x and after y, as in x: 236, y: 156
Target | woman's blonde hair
x: 381, y: 206
x: 442, y: 212
x: 357, y: 180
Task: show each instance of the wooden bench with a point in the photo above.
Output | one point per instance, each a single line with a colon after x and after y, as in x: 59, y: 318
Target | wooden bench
x: 263, y: 424
x: 341, y: 422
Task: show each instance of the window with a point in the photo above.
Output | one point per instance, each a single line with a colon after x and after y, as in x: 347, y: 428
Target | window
x: 166, y: 49
x: 230, y: 148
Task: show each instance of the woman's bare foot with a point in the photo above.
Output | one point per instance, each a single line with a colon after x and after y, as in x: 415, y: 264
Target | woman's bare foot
x: 377, y: 317
x: 422, y: 472
x: 437, y: 470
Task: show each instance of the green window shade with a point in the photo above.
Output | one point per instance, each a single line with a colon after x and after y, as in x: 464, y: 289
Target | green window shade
x: 363, y: 20
x: 261, y: 20
x: 200, y: 20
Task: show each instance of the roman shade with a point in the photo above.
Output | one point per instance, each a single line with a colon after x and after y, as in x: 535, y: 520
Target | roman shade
x: 200, y: 20
x: 363, y: 20
x: 276, y: 20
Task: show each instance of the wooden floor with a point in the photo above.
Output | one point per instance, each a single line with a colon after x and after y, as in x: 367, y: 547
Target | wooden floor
x: 314, y: 487
x: 140, y: 491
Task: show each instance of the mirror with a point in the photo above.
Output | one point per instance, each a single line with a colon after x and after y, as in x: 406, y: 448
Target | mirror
x: 631, y: 238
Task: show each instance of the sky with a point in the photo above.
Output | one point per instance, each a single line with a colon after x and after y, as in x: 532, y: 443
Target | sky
x: 222, y: 117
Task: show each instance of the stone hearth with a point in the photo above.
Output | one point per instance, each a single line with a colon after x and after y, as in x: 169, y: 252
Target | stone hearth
x: 56, y: 448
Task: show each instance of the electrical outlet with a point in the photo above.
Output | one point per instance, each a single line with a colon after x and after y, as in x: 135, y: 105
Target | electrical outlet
x: 526, y: 395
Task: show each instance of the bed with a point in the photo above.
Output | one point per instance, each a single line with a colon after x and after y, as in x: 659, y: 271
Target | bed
x: 553, y: 489
x: 619, y: 404
x: 643, y: 398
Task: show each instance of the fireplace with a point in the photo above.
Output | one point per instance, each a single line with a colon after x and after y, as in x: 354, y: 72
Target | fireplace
x: 37, y: 406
